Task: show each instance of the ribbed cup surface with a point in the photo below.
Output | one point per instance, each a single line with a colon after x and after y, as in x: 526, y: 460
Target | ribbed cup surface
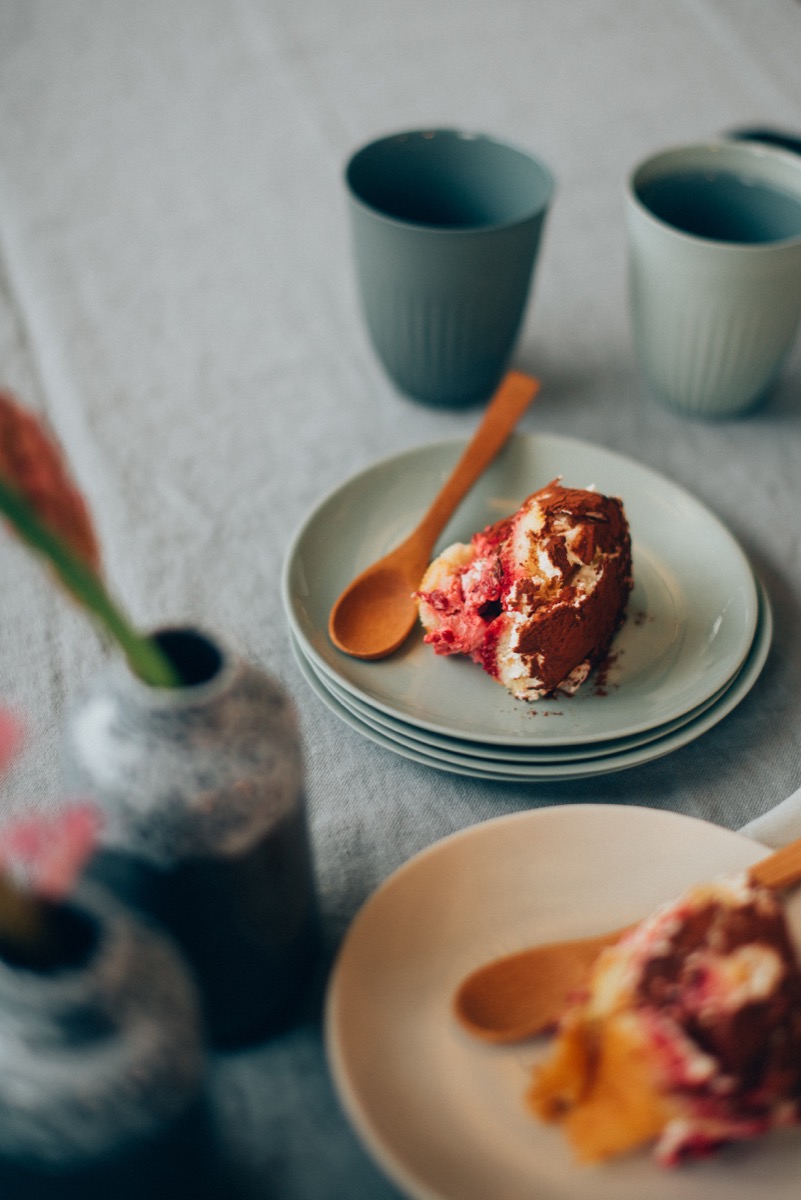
x: 446, y: 229
x: 710, y: 358
x: 714, y: 280
x: 443, y: 350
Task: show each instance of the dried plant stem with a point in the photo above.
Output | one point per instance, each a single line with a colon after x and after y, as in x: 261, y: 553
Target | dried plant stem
x: 144, y: 656
x: 21, y: 917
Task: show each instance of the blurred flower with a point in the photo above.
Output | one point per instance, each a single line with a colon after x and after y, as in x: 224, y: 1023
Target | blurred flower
x: 41, y: 858
x: 48, y: 512
x: 31, y: 463
x: 49, y: 851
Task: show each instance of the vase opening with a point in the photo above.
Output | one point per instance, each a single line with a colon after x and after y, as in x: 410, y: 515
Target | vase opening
x: 195, y: 658
x: 66, y: 941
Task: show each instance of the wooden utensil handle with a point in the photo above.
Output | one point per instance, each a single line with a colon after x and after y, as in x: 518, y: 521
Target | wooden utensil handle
x: 781, y: 869
x: 503, y: 412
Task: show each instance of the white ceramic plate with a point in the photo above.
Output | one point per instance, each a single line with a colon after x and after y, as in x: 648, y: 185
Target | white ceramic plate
x: 405, y: 733
x: 493, y: 769
x: 442, y: 1114
x: 692, y: 613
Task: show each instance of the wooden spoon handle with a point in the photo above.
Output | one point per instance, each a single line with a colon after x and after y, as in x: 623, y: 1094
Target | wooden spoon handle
x: 781, y: 869
x: 502, y: 414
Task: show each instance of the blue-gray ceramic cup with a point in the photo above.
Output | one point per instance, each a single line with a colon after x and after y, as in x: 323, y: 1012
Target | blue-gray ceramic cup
x: 446, y: 228
x: 714, y: 234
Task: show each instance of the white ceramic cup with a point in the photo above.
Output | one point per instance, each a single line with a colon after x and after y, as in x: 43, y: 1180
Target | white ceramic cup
x: 714, y: 238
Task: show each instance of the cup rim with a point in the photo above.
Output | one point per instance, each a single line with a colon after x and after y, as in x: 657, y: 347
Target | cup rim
x: 786, y: 162
x: 428, y: 133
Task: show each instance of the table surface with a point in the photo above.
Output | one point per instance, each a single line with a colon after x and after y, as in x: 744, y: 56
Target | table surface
x: 176, y: 295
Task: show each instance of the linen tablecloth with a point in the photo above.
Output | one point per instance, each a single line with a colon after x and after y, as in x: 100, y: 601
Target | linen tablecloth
x: 176, y: 295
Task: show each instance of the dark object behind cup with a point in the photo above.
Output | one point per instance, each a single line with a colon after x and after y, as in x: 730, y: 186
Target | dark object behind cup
x: 771, y: 137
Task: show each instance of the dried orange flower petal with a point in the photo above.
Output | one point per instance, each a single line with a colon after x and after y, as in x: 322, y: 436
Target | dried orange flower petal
x: 10, y: 736
x: 32, y: 463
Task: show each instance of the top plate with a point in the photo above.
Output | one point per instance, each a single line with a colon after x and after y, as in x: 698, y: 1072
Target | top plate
x: 443, y: 1114
x: 691, y: 618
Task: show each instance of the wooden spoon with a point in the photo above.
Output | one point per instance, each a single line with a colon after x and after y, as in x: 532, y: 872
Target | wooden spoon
x: 521, y: 995
x: 377, y: 611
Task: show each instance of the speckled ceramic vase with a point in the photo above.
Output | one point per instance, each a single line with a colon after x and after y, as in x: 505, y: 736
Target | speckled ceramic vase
x: 101, y: 1086
x: 205, y: 824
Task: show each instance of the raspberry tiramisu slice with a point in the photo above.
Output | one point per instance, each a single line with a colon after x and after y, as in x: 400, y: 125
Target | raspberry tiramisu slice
x: 536, y: 598
x: 688, y: 1035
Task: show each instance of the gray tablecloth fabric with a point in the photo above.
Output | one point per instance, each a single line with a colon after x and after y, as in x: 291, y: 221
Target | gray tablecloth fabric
x: 176, y: 295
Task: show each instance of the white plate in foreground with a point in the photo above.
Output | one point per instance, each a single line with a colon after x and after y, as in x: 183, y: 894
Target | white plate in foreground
x: 444, y: 1115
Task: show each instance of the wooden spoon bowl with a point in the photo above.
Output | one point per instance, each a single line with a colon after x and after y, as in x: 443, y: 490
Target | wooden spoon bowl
x: 522, y: 995
x: 377, y: 611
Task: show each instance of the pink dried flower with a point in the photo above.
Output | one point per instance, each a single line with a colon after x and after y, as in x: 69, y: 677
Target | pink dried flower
x: 40, y: 860
x: 50, y: 850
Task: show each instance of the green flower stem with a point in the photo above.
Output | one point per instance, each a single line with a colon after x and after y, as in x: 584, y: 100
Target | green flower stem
x: 144, y: 656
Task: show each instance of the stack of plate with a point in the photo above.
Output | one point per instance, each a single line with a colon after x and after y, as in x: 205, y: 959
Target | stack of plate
x: 695, y: 639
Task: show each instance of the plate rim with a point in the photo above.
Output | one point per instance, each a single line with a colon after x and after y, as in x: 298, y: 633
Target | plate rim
x: 396, y: 727
x: 568, y: 770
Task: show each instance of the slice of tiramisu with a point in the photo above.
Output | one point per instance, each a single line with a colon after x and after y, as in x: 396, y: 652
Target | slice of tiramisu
x: 688, y: 1035
x: 536, y: 598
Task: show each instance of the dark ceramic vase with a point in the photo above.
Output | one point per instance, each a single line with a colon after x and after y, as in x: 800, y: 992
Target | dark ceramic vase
x: 101, y: 1086
x: 205, y: 824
